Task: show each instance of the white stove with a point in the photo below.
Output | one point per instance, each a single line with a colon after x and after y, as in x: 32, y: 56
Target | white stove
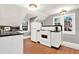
x: 50, y: 37
x: 45, y: 37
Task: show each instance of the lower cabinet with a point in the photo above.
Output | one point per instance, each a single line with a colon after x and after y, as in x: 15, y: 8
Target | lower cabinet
x: 11, y: 44
x: 33, y: 35
x: 56, y: 39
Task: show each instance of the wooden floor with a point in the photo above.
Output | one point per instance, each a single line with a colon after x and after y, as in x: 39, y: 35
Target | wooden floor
x: 37, y: 48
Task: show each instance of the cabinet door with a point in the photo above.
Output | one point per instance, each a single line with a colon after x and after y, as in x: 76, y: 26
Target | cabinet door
x: 56, y: 39
x: 38, y: 36
x: 55, y: 36
x: 33, y: 35
x: 11, y: 44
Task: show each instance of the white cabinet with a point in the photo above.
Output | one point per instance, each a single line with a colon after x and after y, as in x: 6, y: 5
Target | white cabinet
x: 56, y: 39
x: 38, y: 35
x: 11, y: 44
x: 33, y: 35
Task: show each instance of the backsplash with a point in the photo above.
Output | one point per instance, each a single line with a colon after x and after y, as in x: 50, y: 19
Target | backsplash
x: 1, y: 29
x: 9, y: 28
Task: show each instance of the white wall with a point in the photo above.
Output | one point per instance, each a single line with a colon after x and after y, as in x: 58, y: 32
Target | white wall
x: 11, y: 14
x: 41, y: 16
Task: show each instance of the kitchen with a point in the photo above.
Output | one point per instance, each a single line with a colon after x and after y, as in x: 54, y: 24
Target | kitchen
x: 22, y: 29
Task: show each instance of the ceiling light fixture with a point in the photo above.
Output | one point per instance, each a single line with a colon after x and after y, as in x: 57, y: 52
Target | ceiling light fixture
x: 62, y: 12
x: 33, y: 6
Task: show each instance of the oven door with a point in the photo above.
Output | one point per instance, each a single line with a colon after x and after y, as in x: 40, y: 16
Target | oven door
x: 45, y: 36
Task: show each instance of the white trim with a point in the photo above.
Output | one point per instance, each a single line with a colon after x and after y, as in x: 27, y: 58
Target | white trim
x: 26, y: 37
x: 60, y: 18
x: 73, y: 24
x: 71, y: 45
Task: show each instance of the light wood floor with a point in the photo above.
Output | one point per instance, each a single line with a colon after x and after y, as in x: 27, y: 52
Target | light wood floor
x: 37, y: 48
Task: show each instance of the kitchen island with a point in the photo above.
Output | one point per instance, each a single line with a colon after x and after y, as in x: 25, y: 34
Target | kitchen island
x: 11, y: 43
x: 50, y: 36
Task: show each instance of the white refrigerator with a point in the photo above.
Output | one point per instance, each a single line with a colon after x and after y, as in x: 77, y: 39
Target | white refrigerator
x: 35, y: 26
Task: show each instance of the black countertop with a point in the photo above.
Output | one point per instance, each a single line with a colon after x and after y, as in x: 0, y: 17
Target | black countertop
x: 10, y: 33
x: 49, y: 30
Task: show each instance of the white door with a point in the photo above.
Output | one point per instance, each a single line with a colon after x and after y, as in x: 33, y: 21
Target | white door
x: 33, y: 35
x: 56, y: 39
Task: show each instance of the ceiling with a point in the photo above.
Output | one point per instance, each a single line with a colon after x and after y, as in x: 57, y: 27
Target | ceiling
x: 11, y: 14
x: 52, y: 8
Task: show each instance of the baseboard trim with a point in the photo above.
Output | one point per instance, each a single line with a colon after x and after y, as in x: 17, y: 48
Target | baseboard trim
x: 27, y: 37
x: 71, y: 45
